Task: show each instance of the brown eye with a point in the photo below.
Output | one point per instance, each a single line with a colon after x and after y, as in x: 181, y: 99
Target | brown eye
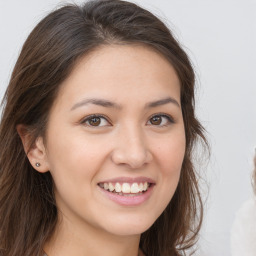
x: 156, y: 120
x: 96, y: 121
x: 160, y: 120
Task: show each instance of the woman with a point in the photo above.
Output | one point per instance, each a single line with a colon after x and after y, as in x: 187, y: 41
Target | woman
x: 96, y: 136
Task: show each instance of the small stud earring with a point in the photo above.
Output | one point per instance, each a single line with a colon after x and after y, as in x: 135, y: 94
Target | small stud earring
x: 38, y: 164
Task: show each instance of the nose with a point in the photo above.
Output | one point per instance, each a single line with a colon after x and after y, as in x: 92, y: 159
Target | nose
x: 131, y: 149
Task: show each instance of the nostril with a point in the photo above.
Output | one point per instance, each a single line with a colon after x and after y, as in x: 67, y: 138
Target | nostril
x: 133, y: 159
x: 131, y: 149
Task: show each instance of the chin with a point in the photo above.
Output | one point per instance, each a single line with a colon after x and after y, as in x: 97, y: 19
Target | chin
x: 129, y: 226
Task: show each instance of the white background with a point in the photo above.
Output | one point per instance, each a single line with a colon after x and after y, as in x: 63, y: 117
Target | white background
x: 220, y: 37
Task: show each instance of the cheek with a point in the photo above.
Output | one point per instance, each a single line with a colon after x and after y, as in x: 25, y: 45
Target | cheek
x: 73, y: 165
x: 170, y: 155
x: 74, y: 162
x: 76, y: 154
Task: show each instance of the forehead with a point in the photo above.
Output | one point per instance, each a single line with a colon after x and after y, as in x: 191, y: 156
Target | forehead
x: 120, y: 71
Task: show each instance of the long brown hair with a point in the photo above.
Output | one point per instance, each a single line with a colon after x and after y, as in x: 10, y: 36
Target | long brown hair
x: 28, y: 212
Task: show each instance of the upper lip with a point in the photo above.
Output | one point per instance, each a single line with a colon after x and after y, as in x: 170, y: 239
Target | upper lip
x: 129, y: 180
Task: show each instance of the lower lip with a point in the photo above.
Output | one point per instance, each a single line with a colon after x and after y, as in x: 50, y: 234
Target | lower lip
x: 129, y: 200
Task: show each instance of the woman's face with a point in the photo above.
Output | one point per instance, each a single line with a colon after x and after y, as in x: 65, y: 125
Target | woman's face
x: 115, y: 140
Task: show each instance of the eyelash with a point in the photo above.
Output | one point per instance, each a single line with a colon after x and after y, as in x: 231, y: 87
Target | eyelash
x: 162, y: 115
x: 89, y: 118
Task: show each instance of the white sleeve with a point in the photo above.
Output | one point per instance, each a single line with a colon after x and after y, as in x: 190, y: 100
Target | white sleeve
x: 243, y: 233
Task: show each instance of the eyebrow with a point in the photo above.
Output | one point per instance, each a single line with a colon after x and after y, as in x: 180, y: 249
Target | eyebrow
x: 162, y: 102
x: 99, y: 102
x: 110, y: 104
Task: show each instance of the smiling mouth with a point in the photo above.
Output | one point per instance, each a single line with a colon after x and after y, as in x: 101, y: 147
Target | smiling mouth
x: 126, y: 189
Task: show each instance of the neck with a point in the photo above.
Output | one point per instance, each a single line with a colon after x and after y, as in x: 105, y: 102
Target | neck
x: 84, y: 240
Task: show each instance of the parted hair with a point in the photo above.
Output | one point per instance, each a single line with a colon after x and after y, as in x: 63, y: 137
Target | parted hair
x: 28, y: 210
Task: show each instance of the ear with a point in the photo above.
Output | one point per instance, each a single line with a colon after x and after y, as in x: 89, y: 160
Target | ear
x: 36, y: 152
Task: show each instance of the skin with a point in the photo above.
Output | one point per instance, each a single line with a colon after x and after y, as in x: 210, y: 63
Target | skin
x: 126, y: 143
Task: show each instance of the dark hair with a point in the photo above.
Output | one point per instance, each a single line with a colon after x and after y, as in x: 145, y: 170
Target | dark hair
x: 46, y: 60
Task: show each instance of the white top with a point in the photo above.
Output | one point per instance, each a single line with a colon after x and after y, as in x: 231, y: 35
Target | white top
x: 243, y: 233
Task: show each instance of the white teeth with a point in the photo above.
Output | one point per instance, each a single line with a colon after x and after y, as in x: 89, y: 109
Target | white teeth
x: 126, y: 188
x: 135, y: 188
x: 110, y: 187
x: 145, y: 186
x: 118, y: 187
x: 141, y: 187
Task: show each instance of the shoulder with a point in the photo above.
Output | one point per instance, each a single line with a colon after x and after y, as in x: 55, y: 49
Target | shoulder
x: 243, y: 232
